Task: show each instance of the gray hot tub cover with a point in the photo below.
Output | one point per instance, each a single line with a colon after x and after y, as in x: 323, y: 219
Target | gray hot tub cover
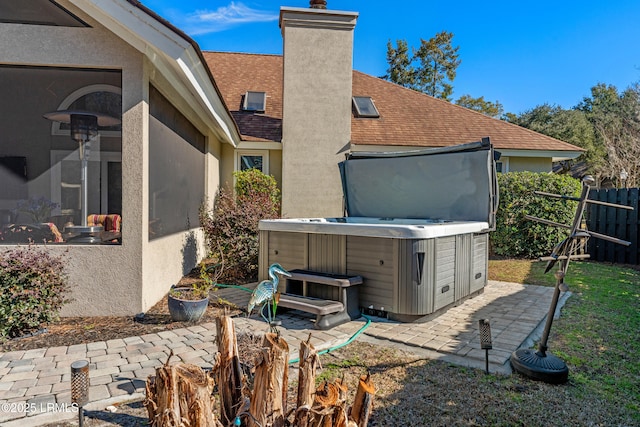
x: 452, y: 183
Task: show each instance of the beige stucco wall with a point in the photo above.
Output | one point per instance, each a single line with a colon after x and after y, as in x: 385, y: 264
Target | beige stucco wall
x: 532, y: 164
x: 129, y: 278
x: 275, y: 166
x: 227, y: 164
x: 104, y: 280
x: 165, y: 260
x: 318, y: 51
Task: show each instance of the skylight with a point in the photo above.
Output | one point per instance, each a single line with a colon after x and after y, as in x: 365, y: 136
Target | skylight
x: 365, y: 107
x: 254, y: 101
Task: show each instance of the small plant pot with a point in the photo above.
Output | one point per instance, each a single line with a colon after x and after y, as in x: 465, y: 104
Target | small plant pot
x: 186, y: 310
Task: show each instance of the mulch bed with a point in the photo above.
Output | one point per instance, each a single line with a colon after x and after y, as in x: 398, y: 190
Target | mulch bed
x: 78, y: 330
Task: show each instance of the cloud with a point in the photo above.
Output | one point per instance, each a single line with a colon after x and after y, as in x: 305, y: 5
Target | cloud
x: 224, y: 17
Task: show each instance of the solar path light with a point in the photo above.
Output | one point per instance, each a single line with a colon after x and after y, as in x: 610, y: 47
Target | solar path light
x: 485, y: 340
x: 80, y: 386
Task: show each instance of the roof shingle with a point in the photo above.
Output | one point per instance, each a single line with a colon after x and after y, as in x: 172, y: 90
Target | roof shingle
x: 407, y: 117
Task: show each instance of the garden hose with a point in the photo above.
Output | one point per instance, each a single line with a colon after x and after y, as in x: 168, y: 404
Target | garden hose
x: 222, y: 285
x: 347, y: 342
x: 328, y: 350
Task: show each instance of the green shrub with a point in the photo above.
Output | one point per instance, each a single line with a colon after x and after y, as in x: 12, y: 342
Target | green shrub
x: 33, y: 287
x: 251, y: 182
x: 518, y: 237
x: 231, y: 226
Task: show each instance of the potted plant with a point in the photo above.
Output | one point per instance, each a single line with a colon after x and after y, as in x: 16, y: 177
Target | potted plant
x: 189, y: 303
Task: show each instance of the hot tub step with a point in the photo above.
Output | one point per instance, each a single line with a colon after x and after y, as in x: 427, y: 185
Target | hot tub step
x: 328, y: 313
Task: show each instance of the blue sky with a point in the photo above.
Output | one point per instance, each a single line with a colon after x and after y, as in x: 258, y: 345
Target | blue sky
x: 521, y: 54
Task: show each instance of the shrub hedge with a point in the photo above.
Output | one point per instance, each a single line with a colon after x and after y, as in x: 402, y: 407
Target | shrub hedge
x: 231, y: 226
x: 517, y: 237
x: 33, y: 288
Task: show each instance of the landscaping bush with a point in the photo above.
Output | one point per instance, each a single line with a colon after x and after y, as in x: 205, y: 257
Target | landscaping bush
x: 518, y: 237
x: 33, y: 288
x: 231, y: 226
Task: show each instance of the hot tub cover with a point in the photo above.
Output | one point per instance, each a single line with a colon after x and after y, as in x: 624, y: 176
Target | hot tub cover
x: 453, y: 183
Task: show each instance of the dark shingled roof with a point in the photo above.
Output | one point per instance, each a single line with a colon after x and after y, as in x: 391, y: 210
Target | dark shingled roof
x: 237, y: 73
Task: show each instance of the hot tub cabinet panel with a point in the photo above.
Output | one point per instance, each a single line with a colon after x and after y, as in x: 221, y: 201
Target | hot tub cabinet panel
x: 374, y: 260
x: 407, y: 279
x: 416, y: 230
x: 289, y: 249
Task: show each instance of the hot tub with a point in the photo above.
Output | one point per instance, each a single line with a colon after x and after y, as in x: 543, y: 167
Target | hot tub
x: 420, y: 245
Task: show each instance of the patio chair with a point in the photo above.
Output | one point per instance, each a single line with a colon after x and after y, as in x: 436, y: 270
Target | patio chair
x: 110, y: 222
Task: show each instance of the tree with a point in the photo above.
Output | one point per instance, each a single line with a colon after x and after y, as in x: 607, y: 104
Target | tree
x: 491, y: 109
x: 400, y: 70
x: 616, y: 120
x: 438, y: 64
x: 430, y: 69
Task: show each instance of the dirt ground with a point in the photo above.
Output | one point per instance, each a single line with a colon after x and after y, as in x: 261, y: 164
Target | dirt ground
x: 77, y: 330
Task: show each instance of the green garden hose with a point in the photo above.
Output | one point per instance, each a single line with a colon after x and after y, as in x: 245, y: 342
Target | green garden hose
x: 328, y: 350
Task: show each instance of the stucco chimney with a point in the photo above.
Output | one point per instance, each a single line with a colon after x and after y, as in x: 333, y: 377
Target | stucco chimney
x: 318, y: 66
x: 318, y: 4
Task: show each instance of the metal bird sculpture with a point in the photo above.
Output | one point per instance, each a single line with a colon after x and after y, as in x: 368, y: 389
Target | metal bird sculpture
x: 266, y: 291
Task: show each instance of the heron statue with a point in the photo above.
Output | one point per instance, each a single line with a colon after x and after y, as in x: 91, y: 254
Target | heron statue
x: 266, y: 292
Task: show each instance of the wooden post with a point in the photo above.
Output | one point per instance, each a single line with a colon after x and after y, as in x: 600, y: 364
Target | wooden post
x: 363, y: 402
x: 229, y: 373
x: 269, y: 398
x: 180, y: 395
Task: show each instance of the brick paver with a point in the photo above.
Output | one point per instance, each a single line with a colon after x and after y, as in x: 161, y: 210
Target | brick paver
x: 120, y: 367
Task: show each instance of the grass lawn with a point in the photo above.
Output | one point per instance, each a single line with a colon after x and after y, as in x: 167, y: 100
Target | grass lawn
x: 598, y: 333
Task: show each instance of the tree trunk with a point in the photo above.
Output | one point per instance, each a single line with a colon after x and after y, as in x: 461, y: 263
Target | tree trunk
x: 363, y: 402
x: 229, y: 374
x: 306, y: 383
x: 307, y: 374
x: 269, y: 399
x: 180, y: 395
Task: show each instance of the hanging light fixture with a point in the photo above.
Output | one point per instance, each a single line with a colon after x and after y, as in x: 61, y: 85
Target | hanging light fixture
x: 84, y: 127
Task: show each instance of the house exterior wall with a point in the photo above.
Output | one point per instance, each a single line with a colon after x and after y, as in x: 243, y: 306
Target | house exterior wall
x: 168, y: 258
x: 318, y: 52
x: 104, y: 280
x: 227, y: 166
x: 532, y: 164
x: 129, y: 278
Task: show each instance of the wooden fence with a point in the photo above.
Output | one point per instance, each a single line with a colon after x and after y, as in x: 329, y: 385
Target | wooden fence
x: 620, y: 223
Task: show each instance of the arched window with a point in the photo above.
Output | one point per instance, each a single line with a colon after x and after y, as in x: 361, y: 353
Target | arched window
x: 105, y: 167
x: 98, y: 98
